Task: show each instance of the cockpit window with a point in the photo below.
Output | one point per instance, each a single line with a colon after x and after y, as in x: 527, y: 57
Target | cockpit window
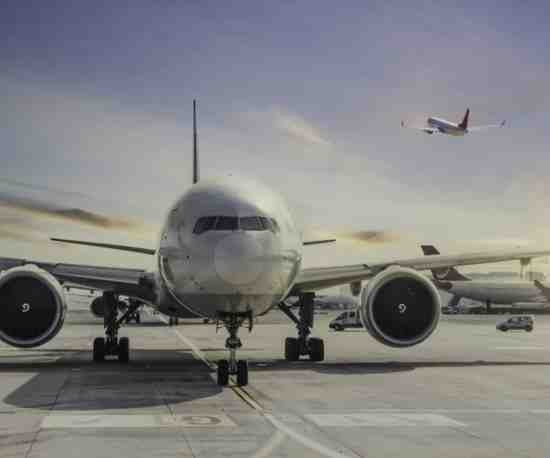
x: 251, y: 223
x: 206, y: 223
x: 227, y: 223
x: 232, y: 223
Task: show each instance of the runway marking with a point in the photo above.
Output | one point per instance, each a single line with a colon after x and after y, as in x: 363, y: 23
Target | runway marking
x: 246, y: 397
x: 68, y: 421
x: 272, y: 444
x: 383, y: 420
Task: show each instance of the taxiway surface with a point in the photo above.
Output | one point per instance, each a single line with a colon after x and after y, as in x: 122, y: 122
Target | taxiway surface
x: 467, y: 391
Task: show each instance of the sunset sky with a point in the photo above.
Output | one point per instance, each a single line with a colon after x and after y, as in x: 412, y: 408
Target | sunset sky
x: 305, y: 96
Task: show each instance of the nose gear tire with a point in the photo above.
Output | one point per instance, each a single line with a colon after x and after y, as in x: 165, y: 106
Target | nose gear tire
x: 223, y: 372
x: 242, y: 373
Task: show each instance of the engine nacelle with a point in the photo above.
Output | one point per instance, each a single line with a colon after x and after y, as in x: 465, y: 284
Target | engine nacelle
x: 32, y: 306
x: 97, y: 307
x: 400, y: 307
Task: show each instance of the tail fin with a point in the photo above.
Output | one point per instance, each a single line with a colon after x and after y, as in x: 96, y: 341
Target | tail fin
x: 195, y: 145
x: 444, y: 274
x: 464, y: 123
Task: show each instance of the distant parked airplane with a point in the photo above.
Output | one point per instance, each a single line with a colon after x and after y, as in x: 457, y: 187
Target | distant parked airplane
x: 439, y: 125
x: 513, y: 293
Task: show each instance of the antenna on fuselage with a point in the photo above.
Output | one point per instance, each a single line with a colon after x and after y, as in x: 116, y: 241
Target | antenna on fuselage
x: 195, y: 146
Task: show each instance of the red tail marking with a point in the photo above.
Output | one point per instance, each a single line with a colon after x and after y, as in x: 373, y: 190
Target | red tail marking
x: 464, y: 123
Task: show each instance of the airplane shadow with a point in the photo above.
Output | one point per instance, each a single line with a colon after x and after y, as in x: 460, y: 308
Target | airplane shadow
x: 378, y: 367
x: 75, y: 383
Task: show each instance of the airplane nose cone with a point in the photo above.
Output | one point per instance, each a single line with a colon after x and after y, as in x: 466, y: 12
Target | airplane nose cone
x: 239, y: 259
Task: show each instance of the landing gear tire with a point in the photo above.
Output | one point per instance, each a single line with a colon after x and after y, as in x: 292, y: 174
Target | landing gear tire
x: 242, y: 373
x: 138, y: 318
x: 124, y: 349
x: 292, y: 349
x: 99, y: 349
x: 223, y: 372
x: 316, y: 349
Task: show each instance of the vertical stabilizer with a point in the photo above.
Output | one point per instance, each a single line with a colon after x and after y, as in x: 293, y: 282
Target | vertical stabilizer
x: 195, y: 145
x: 446, y: 273
x: 464, y: 123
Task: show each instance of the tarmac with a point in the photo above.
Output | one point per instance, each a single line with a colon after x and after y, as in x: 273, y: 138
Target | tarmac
x: 468, y: 391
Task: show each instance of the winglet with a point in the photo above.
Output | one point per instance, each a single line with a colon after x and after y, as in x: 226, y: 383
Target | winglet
x: 195, y: 145
x: 464, y: 123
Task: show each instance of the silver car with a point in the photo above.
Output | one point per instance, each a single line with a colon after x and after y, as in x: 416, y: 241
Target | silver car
x: 520, y: 322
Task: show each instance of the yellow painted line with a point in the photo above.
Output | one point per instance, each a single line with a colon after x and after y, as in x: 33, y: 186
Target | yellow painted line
x: 249, y: 399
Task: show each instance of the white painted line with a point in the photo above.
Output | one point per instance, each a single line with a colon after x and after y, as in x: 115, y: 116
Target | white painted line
x: 196, y: 350
x: 68, y: 421
x: 384, y: 420
x: 309, y: 443
x: 271, y: 445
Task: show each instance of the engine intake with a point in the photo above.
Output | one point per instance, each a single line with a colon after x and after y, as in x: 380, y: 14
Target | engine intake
x: 32, y: 306
x: 97, y: 307
x: 400, y: 307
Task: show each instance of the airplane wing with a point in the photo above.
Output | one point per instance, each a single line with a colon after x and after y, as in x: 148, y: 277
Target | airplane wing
x: 312, y: 279
x: 129, y: 282
x: 427, y: 130
x: 489, y: 126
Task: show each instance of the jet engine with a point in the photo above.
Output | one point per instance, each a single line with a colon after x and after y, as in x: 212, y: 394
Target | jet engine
x: 400, y: 307
x: 32, y: 306
x: 97, y: 307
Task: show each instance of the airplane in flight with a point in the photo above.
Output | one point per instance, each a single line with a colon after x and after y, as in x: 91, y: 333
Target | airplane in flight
x: 229, y: 250
x: 487, y: 291
x: 439, y: 125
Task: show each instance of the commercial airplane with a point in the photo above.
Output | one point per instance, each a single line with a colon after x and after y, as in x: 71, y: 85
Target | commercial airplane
x: 487, y: 291
x: 439, y: 125
x: 230, y: 251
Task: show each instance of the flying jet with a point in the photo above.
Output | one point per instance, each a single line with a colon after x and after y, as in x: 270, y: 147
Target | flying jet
x: 439, y: 125
x: 230, y: 251
x: 488, y: 291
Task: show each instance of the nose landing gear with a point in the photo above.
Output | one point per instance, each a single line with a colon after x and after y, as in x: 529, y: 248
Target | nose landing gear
x: 303, y: 344
x: 233, y: 366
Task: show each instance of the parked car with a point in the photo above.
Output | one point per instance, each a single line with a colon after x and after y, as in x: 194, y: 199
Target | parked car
x: 520, y: 322
x: 348, y: 319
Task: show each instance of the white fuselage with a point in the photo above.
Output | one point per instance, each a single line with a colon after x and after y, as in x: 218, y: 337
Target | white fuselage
x: 227, y: 245
x: 446, y: 127
x: 496, y: 292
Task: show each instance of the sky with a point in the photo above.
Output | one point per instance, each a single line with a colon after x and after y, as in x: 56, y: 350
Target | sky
x: 305, y: 96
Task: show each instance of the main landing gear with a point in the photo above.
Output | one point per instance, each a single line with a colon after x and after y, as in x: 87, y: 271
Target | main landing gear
x: 233, y: 366
x: 303, y: 345
x: 111, y: 344
x: 136, y: 316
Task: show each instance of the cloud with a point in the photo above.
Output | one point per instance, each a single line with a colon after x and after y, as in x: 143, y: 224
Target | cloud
x: 366, y: 236
x: 36, y: 208
x: 298, y: 128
